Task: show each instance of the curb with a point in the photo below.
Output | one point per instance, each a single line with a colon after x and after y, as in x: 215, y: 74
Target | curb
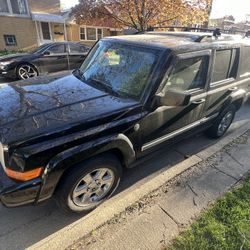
x: 109, y: 209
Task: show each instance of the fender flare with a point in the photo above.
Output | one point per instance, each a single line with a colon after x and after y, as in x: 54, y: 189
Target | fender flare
x: 238, y: 97
x: 87, y: 150
x: 70, y: 157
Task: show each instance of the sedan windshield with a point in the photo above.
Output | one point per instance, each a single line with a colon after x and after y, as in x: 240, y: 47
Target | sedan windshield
x: 118, y: 68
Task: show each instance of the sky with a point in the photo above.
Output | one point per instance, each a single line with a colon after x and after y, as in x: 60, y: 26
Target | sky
x: 66, y: 4
x: 237, y: 8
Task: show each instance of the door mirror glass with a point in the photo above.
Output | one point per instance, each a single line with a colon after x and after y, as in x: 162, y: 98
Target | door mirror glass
x: 173, y: 98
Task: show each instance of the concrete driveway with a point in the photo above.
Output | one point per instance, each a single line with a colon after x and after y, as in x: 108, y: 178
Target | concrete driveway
x: 25, y: 226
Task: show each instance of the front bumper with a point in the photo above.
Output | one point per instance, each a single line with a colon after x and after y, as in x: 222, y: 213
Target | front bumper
x: 6, y: 72
x: 13, y: 194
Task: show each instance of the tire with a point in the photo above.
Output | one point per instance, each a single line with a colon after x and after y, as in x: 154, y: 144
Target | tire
x: 222, y: 122
x: 76, y: 181
x: 26, y: 71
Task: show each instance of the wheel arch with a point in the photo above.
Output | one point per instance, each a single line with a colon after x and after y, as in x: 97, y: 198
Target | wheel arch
x: 25, y: 62
x: 118, y: 145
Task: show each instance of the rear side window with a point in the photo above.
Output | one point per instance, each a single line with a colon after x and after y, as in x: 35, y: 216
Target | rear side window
x: 188, y: 74
x: 225, y: 64
x: 77, y: 49
x: 245, y: 65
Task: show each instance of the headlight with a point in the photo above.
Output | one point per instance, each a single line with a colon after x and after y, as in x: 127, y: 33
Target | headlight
x: 5, y: 63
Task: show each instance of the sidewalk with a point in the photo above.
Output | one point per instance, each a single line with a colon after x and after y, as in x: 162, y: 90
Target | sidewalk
x: 153, y: 221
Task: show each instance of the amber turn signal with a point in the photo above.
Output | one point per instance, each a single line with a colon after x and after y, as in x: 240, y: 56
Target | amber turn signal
x: 26, y: 176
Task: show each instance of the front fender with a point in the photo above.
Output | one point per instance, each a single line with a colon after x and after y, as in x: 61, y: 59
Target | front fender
x: 84, y: 151
x: 61, y: 162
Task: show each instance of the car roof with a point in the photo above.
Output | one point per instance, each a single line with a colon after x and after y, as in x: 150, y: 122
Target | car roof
x: 181, y: 41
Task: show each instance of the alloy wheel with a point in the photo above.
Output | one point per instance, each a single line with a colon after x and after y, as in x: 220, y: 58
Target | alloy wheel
x: 26, y: 71
x: 93, y: 187
x: 225, y: 122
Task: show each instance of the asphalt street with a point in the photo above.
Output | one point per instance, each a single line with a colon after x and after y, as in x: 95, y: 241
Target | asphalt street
x: 22, y: 227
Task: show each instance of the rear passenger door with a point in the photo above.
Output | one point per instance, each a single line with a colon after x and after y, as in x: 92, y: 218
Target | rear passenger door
x: 189, y: 74
x: 223, y: 79
x: 77, y: 54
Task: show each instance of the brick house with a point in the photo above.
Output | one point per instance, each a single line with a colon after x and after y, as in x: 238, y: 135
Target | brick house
x: 25, y: 24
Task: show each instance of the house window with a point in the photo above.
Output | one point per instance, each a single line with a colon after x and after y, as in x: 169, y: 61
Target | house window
x: 4, y: 6
x: 99, y: 34
x: 10, y: 40
x: 82, y: 34
x: 113, y: 33
x: 19, y: 7
x: 91, y: 34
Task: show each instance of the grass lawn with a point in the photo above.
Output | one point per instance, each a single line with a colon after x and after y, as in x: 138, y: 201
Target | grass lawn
x: 225, y: 226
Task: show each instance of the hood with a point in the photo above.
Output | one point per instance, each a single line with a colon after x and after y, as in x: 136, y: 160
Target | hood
x: 12, y: 57
x: 38, y: 106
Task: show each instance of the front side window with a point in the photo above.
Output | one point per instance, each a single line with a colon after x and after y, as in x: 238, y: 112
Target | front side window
x: 10, y: 40
x: 57, y: 49
x: 4, y: 6
x: 188, y: 74
x: 91, y: 34
x: 119, y: 68
x: 19, y: 7
x: 225, y: 65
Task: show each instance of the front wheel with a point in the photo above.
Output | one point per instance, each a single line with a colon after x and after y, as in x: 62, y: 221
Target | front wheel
x: 26, y: 71
x: 222, y: 123
x: 89, y: 183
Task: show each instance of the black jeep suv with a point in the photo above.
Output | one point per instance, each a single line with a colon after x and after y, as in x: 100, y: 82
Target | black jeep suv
x: 72, y: 136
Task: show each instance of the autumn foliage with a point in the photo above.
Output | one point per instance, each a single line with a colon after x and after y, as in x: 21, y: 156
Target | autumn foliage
x: 142, y: 14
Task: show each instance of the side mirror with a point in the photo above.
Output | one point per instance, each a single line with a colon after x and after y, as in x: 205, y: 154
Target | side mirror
x: 173, y: 98
x: 46, y: 53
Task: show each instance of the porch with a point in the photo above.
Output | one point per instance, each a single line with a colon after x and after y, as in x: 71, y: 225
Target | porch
x: 49, y: 28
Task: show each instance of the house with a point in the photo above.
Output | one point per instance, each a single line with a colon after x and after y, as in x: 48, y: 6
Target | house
x: 25, y: 24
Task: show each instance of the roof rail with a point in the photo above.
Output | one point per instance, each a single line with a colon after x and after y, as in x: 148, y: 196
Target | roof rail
x: 213, y: 30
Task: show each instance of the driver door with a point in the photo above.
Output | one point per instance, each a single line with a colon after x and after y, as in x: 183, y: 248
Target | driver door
x: 189, y: 74
x: 54, y: 59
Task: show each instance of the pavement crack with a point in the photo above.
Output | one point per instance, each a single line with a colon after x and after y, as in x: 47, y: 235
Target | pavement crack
x: 192, y: 190
x: 221, y: 171
x: 170, y: 216
x: 235, y: 159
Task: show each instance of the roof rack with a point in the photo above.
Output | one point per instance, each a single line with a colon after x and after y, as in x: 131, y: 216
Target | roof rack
x: 215, y: 31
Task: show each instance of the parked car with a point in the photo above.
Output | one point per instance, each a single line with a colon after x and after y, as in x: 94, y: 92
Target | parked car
x: 48, y: 58
x: 71, y: 137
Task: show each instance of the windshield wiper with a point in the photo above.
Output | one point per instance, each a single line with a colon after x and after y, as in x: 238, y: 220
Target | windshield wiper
x: 104, y: 86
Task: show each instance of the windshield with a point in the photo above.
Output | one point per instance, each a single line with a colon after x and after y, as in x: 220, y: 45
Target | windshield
x: 39, y: 49
x: 122, y: 69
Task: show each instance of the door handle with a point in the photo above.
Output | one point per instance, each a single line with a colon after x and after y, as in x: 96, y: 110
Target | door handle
x: 61, y: 57
x: 199, y: 101
x: 233, y: 88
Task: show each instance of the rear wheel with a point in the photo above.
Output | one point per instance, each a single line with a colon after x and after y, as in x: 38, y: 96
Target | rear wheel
x: 26, y: 71
x: 222, y: 123
x: 89, y: 183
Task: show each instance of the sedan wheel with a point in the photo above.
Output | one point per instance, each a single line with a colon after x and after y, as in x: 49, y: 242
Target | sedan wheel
x: 26, y: 71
